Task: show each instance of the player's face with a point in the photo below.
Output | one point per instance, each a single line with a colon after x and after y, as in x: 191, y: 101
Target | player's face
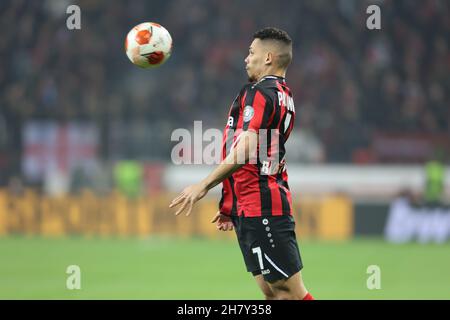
x: 255, y: 61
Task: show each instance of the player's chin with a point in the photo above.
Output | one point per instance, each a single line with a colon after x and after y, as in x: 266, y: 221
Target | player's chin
x: 251, y: 78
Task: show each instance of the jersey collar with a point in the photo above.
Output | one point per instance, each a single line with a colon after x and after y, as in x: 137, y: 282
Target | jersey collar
x: 282, y: 79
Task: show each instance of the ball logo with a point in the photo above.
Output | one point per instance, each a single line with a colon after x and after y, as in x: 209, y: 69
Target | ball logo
x: 248, y: 113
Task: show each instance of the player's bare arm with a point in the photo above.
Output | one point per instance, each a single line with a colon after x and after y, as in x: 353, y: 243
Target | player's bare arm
x: 245, y: 147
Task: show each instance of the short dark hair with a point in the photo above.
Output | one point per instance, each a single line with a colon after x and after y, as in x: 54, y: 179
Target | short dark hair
x: 271, y: 33
x: 284, y: 56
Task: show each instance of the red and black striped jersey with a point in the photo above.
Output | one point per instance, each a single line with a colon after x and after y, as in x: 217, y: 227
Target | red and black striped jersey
x: 260, y: 187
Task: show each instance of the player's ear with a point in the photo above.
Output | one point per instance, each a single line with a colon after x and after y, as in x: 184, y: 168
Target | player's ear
x: 269, y: 58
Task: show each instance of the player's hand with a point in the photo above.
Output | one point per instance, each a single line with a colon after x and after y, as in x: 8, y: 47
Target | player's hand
x: 188, y: 197
x: 223, y: 222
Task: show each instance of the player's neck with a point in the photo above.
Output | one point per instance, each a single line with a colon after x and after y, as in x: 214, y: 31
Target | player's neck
x: 271, y: 72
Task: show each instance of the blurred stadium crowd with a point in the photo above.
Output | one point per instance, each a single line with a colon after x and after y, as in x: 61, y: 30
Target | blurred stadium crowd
x: 349, y: 83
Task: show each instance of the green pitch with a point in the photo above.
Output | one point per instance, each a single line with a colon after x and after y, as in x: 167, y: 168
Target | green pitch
x: 167, y: 268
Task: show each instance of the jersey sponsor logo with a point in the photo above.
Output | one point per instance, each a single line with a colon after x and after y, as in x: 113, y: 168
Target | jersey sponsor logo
x: 273, y: 167
x: 249, y: 112
x: 230, y: 121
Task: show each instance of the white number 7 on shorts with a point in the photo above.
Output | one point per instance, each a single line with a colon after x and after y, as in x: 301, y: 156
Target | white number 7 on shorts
x: 257, y: 250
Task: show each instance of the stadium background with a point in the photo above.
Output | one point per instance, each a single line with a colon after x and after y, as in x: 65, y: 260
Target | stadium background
x: 85, y: 148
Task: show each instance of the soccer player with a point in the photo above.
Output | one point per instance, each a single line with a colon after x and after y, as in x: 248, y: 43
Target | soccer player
x: 256, y: 200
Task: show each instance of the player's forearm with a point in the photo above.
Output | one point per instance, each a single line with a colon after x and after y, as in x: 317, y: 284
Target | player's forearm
x: 222, y: 172
x: 225, y: 168
x: 237, y: 157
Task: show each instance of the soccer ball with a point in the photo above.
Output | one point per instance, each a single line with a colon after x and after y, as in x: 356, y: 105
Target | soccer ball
x: 148, y: 45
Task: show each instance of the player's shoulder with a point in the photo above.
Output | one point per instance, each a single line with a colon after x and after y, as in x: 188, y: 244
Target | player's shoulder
x: 265, y: 89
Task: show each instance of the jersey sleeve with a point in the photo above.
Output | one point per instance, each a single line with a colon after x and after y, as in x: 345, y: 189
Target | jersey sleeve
x: 227, y: 204
x: 258, y: 109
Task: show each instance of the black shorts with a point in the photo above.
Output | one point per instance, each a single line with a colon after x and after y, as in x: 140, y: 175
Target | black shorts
x: 269, y: 246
